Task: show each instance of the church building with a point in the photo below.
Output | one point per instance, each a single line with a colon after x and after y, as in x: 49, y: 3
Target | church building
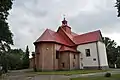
x: 66, y: 50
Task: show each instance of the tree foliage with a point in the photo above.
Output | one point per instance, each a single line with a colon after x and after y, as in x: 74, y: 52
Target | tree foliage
x: 113, y: 51
x: 118, y: 62
x: 15, y: 59
x: 26, y: 58
x: 5, y: 6
x: 10, y: 58
x: 118, y: 7
x: 5, y: 33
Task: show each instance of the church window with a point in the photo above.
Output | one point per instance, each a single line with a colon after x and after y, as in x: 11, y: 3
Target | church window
x: 94, y: 59
x: 57, y: 54
x: 63, y: 65
x: 74, y: 56
x: 87, y: 52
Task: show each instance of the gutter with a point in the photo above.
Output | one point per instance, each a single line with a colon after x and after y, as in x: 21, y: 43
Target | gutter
x: 99, y: 67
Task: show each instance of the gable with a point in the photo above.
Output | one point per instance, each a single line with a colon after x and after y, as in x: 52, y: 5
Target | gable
x: 67, y: 37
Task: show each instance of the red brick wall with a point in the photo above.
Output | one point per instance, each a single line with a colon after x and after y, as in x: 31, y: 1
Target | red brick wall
x: 44, y: 60
x: 74, y: 63
x: 64, y: 58
x: 57, y: 47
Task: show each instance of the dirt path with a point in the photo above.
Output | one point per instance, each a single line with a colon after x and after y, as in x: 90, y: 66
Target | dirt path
x: 23, y: 75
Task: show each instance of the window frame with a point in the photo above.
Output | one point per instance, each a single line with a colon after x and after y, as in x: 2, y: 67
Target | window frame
x: 74, y: 56
x: 63, y: 65
x: 87, y: 51
x: 94, y: 59
x: 57, y: 55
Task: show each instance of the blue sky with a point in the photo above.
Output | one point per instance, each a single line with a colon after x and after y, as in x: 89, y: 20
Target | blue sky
x: 29, y: 18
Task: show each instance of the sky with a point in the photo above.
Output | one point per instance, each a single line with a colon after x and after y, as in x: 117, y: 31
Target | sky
x: 29, y: 18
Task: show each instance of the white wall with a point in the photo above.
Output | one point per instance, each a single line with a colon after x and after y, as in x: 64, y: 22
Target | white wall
x: 102, y: 54
x: 88, y: 61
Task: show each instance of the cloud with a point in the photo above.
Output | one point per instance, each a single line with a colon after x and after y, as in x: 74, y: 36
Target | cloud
x: 29, y: 18
x: 104, y: 20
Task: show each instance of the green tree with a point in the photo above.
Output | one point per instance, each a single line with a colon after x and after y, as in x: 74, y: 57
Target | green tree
x: 118, y: 62
x: 15, y: 59
x: 118, y: 57
x: 5, y: 33
x: 26, y: 58
x: 118, y: 49
x: 112, y: 51
x: 118, y: 7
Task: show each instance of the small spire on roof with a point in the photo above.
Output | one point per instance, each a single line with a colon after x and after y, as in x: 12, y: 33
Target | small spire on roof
x: 64, y: 16
x: 64, y: 22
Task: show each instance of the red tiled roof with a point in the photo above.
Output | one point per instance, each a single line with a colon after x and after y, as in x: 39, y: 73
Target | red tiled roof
x: 65, y: 48
x: 70, y: 36
x: 51, y: 36
x: 46, y: 36
x: 87, y: 38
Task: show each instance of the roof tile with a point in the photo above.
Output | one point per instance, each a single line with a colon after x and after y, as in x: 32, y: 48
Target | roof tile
x: 51, y: 36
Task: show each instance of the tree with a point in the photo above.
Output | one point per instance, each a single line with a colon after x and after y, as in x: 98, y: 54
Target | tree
x: 15, y: 59
x: 118, y: 7
x: 118, y: 57
x: 112, y: 51
x: 5, y: 33
x: 118, y: 62
x: 26, y: 58
x: 118, y: 49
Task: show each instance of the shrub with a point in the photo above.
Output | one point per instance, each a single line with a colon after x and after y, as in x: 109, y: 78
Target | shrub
x: 118, y: 62
x: 0, y: 72
x: 108, y: 74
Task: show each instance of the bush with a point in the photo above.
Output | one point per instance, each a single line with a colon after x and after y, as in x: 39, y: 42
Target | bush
x: 0, y: 72
x: 108, y: 75
x: 118, y: 62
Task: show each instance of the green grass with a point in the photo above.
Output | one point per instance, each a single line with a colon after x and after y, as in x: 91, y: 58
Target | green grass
x: 69, y: 72
x: 113, y: 77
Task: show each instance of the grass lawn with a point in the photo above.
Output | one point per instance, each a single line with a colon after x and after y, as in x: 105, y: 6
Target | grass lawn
x: 113, y: 77
x: 69, y: 72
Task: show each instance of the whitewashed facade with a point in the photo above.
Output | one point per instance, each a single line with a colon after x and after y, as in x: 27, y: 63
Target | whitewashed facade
x: 102, y: 54
x: 96, y: 58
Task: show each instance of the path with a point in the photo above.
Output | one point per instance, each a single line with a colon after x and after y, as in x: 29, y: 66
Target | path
x: 24, y: 75
x: 112, y: 71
